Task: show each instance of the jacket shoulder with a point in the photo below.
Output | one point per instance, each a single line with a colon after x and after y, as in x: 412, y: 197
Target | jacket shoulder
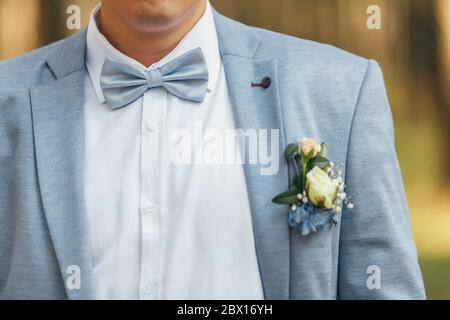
x: 310, y: 57
x: 25, y: 70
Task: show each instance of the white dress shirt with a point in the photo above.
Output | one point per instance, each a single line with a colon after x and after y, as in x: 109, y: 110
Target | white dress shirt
x: 160, y: 229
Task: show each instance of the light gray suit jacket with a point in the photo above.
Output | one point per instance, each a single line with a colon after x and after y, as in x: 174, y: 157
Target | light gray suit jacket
x: 317, y: 91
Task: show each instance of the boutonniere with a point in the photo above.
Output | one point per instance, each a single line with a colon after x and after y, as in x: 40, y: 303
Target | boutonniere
x: 317, y: 191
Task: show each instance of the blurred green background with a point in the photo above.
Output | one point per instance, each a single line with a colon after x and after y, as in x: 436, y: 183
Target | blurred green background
x: 412, y: 47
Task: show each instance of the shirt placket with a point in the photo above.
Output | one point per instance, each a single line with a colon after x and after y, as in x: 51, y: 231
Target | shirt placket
x: 154, y: 103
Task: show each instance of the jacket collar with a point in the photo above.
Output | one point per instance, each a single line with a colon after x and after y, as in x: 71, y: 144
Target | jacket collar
x: 235, y: 38
x: 66, y: 57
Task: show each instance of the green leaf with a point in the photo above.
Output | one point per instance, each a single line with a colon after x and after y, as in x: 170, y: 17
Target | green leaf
x: 288, y: 197
x: 291, y: 151
x: 294, y: 182
x: 320, y: 162
x: 301, y: 176
x: 297, y: 159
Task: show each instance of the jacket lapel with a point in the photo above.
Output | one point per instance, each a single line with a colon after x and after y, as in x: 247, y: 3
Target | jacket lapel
x: 257, y: 108
x: 58, y: 119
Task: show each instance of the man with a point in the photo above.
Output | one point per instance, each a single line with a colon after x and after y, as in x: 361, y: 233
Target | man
x: 92, y: 205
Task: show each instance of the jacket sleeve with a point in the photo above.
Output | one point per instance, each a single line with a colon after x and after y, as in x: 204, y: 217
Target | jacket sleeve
x: 377, y: 255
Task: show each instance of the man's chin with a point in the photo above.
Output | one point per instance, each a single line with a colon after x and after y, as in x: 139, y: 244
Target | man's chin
x: 155, y: 12
x: 147, y: 17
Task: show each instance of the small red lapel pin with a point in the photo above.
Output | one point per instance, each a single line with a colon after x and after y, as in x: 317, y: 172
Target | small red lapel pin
x: 265, y: 83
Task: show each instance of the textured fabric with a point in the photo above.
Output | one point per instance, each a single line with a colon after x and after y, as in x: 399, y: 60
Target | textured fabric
x: 317, y: 91
x: 150, y: 235
x: 185, y: 77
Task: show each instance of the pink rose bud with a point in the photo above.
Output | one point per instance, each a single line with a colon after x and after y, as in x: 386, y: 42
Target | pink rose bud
x: 306, y: 145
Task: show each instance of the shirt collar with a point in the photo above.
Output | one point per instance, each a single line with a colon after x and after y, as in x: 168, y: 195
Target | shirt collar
x: 202, y: 35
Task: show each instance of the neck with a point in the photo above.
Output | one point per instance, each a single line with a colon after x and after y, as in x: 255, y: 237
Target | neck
x: 144, y: 46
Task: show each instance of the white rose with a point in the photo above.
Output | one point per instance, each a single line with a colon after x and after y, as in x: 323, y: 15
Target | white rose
x: 322, y: 191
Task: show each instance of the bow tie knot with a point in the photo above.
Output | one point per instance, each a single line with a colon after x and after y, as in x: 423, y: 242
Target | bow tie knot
x: 153, y: 78
x: 185, y: 77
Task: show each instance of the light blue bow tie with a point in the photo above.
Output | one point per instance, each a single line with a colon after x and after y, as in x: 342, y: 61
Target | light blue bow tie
x: 186, y: 77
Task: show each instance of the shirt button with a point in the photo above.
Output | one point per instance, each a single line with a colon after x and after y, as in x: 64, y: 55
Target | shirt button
x: 151, y: 126
x: 149, y: 208
x: 149, y: 289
